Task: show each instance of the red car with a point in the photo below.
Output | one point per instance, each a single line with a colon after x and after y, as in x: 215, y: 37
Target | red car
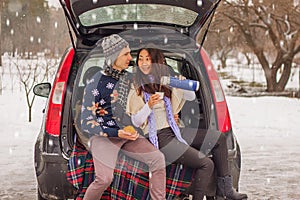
x: 173, y: 27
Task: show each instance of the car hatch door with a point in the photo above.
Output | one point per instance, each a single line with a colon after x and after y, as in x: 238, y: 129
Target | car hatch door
x: 96, y: 18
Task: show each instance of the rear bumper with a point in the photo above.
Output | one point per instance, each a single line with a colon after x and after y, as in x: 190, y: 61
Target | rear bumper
x: 52, y: 181
x: 51, y: 167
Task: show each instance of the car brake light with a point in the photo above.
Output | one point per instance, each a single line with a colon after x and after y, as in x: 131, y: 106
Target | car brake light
x: 56, y: 101
x: 224, y: 122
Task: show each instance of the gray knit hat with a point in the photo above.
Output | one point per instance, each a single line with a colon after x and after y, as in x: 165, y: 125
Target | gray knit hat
x: 112, y: 46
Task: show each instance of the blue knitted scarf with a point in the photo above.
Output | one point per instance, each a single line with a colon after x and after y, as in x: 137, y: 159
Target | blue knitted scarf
x: 152, y: 124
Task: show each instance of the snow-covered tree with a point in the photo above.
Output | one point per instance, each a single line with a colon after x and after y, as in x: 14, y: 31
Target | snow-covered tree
x: 271, y: 30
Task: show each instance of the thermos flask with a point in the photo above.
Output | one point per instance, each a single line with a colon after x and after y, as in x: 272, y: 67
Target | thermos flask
x: 186, y: 84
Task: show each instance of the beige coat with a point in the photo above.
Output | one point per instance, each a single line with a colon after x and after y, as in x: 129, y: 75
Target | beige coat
x: 135, y: 103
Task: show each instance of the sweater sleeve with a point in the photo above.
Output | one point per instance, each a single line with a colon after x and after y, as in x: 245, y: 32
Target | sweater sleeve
x: 189, y: 95
x: 141, y: 116
x: 135, y: 104
x: 179, y: 97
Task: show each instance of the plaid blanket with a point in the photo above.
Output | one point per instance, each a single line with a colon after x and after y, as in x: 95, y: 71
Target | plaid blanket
x: 130, y: 177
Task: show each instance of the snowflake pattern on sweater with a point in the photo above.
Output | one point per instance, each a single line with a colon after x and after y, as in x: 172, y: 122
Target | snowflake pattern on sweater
x: 96, y: 116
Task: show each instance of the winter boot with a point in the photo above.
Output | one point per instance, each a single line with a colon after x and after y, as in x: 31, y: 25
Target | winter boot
x: 226, y: 190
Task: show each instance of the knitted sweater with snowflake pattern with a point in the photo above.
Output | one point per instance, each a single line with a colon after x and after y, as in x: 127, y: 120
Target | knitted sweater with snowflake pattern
x: 97, y: 111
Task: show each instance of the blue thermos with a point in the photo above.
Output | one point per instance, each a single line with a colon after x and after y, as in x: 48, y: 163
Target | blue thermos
x: 186, y: 84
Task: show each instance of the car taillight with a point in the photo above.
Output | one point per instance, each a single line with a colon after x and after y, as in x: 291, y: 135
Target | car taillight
x: 224, y: 122
x: 56, y: 101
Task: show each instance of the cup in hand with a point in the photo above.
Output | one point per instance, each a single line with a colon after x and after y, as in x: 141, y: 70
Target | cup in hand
x: 161, y: 95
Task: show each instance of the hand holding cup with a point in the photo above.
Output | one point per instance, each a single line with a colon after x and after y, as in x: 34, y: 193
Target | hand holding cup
x: 154, y: 99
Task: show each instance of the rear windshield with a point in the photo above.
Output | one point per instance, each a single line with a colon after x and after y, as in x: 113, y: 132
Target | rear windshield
x: 140, y: 13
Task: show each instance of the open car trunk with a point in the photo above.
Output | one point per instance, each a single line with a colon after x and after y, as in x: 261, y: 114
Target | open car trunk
x: 195, y: 115
x: 182, y: 56
x: 175, y: 35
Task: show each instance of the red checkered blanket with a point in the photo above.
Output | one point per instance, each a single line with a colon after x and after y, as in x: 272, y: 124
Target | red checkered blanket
x: 130, y: 177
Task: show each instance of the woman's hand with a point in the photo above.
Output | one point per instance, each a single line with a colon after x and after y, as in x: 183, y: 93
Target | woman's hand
x: 154, y: 99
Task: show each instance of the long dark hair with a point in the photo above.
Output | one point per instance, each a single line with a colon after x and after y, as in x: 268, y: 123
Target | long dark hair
x: 150, y: 83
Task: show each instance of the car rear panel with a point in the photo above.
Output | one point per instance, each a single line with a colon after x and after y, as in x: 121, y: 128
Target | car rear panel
x: 50, y: 149
x: 220, y: 118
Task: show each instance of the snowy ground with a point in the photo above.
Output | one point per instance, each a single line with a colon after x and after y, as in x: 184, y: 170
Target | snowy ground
x: 268, y: 132
x: 16, y: 152
x: 267, y: 129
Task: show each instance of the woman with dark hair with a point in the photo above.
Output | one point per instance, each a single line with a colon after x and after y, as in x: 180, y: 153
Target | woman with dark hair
x: 155, y: 116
